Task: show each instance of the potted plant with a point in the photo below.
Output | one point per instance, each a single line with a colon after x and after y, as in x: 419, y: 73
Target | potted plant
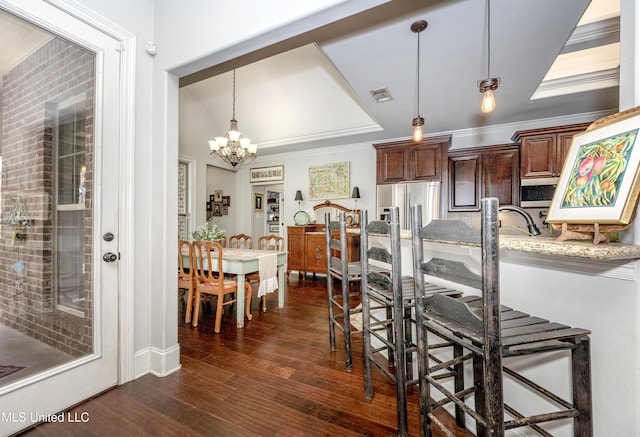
x: 209, y: 231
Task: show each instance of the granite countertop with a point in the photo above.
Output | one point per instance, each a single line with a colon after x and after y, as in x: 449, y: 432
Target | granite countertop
x: 573, y: 248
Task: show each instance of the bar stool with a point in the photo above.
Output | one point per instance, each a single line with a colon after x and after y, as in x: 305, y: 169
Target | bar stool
x: 341, y: 301
x: 491, y: 333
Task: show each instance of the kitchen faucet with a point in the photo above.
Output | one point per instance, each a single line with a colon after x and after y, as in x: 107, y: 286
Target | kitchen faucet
x: 533, y: 228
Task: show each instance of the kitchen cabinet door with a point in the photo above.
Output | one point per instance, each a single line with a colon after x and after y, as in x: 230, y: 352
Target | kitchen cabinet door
x: 501, y: 175
x: 425, y: 162
x: 539, y: 159
x: 405, y: 161
x: 464, y: 182
x: 544, y: 150
x: 391, y: 165
x: 491, y: 171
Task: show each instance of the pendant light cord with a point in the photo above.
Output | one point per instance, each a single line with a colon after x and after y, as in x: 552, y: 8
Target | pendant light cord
x: 234, y: 94
x: 418, y: 75
x: 488, y: 38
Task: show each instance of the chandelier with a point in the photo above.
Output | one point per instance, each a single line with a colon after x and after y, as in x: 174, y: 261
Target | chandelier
x: 233, y: 147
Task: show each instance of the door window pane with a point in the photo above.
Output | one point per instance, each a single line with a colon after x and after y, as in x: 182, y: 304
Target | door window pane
x: 46, y: 118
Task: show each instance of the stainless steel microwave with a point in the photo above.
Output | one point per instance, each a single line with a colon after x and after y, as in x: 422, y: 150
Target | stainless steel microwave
x: 537, y: 192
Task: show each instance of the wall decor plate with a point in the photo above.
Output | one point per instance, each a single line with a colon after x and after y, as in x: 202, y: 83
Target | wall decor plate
x: 301, y: 218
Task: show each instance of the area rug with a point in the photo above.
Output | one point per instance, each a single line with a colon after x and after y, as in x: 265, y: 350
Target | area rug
x: 8, y: 370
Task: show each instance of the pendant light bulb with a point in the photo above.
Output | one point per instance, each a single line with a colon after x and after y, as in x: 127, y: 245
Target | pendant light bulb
x: 417, y: 134
x: 488, y: 102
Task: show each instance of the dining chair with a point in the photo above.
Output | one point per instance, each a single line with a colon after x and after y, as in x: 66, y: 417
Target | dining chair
x: 498, y: 341
x: 240, y: 241
x: 214, y: 283
x: 266, y: 242
x: 186, y: 275
x: 343, y: 303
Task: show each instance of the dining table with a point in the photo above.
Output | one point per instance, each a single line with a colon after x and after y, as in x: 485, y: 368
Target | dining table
x: 241, y: 262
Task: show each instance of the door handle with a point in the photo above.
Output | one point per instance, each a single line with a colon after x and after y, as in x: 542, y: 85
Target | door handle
x: 109, y: 257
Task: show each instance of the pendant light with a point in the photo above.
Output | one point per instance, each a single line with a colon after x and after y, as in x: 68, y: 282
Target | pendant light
x: 490, y: 84
x: 418, y: 122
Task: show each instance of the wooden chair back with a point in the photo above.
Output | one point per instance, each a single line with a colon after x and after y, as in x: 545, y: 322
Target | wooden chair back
x: 186, y: 274
x: 210, y: 282
x: 271, y: 242
x: 206, y: 254
x: 185, y: 270
x: 241, y: 241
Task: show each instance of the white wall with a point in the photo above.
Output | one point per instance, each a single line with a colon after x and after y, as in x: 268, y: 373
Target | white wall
x: 603, y: 305
x: 362, y: 165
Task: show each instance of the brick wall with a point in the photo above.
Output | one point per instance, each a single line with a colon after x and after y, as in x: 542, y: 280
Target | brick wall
x: 30, y: 92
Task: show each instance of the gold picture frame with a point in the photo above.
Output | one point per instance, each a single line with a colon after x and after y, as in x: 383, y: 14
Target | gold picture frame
x: 258, y: 202
x: 600, y: 179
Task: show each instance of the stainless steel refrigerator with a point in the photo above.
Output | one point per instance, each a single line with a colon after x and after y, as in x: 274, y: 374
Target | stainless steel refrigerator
x: 405, y: 195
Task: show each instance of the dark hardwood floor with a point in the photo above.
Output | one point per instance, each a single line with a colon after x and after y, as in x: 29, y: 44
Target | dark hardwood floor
x: 275, y: 377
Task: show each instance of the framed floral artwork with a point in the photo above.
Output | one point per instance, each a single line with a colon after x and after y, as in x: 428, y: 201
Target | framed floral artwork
x: 600, y: 181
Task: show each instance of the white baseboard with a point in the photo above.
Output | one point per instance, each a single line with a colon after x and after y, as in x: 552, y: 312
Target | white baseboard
x: 157, y: 361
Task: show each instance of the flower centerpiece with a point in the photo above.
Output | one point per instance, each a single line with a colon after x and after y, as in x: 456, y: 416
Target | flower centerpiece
x: 210, y: 231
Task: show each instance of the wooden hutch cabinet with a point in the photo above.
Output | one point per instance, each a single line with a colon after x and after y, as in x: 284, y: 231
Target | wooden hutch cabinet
x: 477, y: 172
x: 404, y: 161
x: 307, y: 247
x: 544, y: 150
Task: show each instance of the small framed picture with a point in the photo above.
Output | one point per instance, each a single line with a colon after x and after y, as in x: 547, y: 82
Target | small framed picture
x: 212, y: 198
x: 224, y: 210
x: 209, y: 207
x: 266, y: 174
x: 217, y: 196
x: 226, y: 200
x: 217, y: 209
x: 257, y: 202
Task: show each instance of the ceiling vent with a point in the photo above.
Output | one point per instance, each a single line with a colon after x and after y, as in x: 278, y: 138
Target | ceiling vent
x: 381, y: 95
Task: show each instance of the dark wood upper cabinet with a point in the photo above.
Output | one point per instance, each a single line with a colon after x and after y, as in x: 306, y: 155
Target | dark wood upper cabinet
x: 544, y: 150
x: 492, y: 171
x: 501, y: 174
x: 464, y: 181
x: 404, y: 161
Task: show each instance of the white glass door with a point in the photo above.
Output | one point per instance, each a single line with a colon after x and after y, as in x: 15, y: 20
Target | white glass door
x: 59, y: 151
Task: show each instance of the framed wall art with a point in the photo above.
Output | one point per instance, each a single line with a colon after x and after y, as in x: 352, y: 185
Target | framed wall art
x: 258, y: 202
x: 266, y: 174
x: 329, y: 181
x: 217, y: 196
x: 600, y: 182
